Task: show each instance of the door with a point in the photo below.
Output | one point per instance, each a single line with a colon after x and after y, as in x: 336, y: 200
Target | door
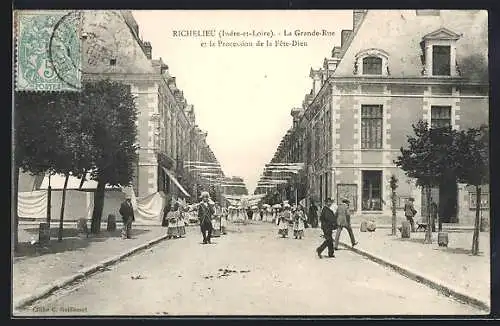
x: 448, y: 195
x: 371, y: 197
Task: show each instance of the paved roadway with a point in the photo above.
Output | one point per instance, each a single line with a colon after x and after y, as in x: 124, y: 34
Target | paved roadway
x: 265, y: 275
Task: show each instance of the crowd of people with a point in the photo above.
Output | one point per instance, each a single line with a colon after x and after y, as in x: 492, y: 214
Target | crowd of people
x: 212, y: 218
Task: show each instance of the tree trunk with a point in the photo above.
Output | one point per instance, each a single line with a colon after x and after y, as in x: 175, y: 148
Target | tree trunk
x: 49, y: 203
x: 63, y: 202
x: 15, y: 215
x: 393, y: 198
x: 98, y: 206
x: 428, y: 231
x: 475, y: 237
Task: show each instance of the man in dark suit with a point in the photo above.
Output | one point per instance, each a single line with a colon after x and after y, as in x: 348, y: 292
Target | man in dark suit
x: 127, y: 213
x: 205, y: 212
x: 328, y: 221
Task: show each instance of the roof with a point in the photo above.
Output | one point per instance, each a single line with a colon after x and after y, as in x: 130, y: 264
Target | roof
x: 403, y: 32
x: 118, y: 37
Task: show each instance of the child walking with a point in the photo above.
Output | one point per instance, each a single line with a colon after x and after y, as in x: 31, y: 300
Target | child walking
x: 298, y: 222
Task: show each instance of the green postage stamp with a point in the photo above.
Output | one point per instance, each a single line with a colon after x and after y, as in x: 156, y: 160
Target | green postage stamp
x: 48, y: 51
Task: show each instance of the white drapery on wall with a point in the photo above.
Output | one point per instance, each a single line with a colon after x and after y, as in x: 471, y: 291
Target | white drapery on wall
x: 32, y: 204
x: 80, y: 204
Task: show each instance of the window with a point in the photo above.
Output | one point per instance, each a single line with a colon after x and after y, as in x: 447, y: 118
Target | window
x: 440, y: 116
x: 441, y: 56
x: 372, y: 66
x: 372, y: 191
x: 439, y: 53
x: 371, y: 126
x: 484, y: 201
x: 371, y: 61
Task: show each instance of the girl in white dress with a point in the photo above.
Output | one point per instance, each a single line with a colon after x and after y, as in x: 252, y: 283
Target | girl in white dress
x: 284, y: 220
x: 298, y: 225
x: 181, y: 222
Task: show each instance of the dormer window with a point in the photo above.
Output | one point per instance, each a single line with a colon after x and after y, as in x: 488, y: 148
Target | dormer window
x: 373, y: 62
x: 441, y: 60
x: 439, y: 53
x: 372, y: 66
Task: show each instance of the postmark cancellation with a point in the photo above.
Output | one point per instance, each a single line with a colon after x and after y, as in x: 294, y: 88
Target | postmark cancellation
x: 48, y: 51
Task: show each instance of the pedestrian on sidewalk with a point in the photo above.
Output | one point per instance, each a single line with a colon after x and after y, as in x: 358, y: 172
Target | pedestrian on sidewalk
x: 205, y: 212
x: 299, y: 221
x: 328, y: 221
x: 410, y: 212
x: 127, y: 213
x: 344, y: 222
x: 261, y: 213
x: 313, y: 215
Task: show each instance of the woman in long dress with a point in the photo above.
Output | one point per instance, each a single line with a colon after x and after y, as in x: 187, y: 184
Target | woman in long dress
x: 181, y: 222
x: 283, y: 221
x: 173, y: 217
x: 299, y: 220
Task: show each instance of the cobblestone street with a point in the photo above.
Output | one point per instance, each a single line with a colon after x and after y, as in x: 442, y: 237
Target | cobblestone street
x: 249, y: 271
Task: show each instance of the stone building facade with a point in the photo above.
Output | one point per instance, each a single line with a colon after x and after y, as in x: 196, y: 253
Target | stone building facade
x: 426, y: 65
x: 168, y: 134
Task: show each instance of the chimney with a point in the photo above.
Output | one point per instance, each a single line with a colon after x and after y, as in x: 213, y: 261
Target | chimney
x: 344, y: 36
x: 336, y: 52
x: 148, y: 50
x: 316, y: 77
x: 163, y: 68
x: 171, y: 83
x: 357, y: 15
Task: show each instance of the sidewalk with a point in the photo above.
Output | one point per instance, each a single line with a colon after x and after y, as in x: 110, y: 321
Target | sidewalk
x: 35, y: 268
x: 453, y: 266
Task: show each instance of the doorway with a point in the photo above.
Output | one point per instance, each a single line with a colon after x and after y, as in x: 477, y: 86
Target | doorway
x: 448, y: 195
x: 371, y: 196
x: 446, y: 198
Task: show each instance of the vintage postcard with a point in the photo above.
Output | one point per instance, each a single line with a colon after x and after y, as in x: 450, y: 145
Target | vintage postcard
x: 250, y: 163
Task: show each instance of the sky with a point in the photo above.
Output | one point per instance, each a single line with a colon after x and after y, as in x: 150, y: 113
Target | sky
x: 243, y: 95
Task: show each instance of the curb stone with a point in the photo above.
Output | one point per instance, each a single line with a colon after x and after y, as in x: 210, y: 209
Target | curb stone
x: 82, y: 273
x: 445, y: 289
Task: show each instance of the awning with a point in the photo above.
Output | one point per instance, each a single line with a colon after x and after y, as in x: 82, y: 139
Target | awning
x: 172, y: 177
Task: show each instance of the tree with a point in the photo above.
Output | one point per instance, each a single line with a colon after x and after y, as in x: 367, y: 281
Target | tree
x: 111, y: 116
x: 473, y: 164
x: 50, y: 138
x: 429, y: 158
x: 394, y: 186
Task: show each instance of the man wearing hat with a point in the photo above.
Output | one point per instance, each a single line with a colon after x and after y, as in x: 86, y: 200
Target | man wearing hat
x: 127, y: 213
x: 205, y: 212
x: 344, y: 221
x: 328, y: 221
x: 410, y: 212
